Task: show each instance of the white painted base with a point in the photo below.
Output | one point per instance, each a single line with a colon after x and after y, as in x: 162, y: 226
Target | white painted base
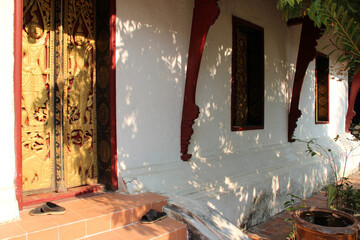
x: 8, y: 205
x: 249, y: 186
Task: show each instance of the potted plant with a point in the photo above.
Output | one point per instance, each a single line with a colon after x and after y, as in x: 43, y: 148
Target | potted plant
x: 324, y: 223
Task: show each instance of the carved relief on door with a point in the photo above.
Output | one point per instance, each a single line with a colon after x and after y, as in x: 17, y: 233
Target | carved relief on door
x: 79, y: 93
x: 58, y: 147
x: 36, y: 82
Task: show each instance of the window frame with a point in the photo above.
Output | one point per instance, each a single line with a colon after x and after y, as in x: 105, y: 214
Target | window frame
x: 235, y: 22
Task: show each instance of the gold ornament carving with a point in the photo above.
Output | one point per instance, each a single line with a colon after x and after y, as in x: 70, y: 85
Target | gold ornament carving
x: 104, y: 151
x: 80, y: 73
x: 103, y: 77
x: 80, y: 165
x: 241, y: 99
x: 56, y: 158
x: 37, y: 165
x: 79, y: 169
x: 103, y: 41
x: 103, y: 114
x: 34, y: 73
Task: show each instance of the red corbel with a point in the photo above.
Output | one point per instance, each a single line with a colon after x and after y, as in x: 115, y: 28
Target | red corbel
x: 204, y: 15
x: 306, y: 53
x: 355, y: 86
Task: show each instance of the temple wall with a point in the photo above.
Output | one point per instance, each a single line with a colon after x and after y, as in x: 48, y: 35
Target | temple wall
x: 152, y: 46
x: 8, y: 204
x: 245, y: 175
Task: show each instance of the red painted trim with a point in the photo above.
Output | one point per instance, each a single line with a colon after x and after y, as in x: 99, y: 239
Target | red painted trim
x: 250, y: 127
x: 114, y: 176
x: 316, y: 91
x: 236, y: 129
x: 306, y: 53
x: 18, y: 14
x: 355, y: 86
x: 204, y: 15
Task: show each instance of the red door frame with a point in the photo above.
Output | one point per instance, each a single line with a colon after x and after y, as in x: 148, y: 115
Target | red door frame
x: 18, y: 15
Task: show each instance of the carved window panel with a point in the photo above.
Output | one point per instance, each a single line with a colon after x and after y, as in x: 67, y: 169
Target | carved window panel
x: 247, y: 107
x: 322, y: 89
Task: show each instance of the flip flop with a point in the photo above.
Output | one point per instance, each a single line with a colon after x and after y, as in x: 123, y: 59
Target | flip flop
x: 152, y: 216
x: 47, y: 208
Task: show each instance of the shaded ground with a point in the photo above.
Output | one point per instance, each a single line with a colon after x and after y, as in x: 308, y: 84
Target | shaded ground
x: 355, y: 130
x: 276, y: 228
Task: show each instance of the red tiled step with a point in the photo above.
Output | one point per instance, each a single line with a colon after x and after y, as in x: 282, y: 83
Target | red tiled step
x: 84, y: 217
x: 166, y: 229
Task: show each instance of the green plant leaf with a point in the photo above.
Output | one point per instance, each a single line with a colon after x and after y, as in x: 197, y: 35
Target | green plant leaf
x: 340, y: 11
x: 332, y: 52
x: 333, y: 7
x: 344, y: 18
x: 350, y: 22
x: 355, y: 31
x: 332, y: 193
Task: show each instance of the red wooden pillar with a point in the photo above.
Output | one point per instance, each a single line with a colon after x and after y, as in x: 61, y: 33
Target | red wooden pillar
x: 306, y: 53
x: 204, y: 15
x: 355, y: 86
x: 114, y: 177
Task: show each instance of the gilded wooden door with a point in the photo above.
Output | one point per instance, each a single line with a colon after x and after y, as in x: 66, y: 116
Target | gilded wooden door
x: 58, y: 95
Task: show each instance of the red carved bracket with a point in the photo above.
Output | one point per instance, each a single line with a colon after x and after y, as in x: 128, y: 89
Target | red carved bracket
x: 355, y: 86
x: 204, y: 15
x: 307, y: 52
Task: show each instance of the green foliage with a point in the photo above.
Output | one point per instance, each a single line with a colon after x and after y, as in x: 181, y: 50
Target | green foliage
x: 341, y: 194
x: 292, y: 205
x: 313, y: 148
x: 344, y: 196
x: 338, y: 17
x: 332, y: 194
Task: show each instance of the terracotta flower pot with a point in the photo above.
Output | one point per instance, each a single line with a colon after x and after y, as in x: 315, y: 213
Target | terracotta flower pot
x: 324, y: 223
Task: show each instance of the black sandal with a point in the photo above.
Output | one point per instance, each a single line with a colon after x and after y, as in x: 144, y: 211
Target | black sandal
x: 47, y: 208
x: 152, y: 216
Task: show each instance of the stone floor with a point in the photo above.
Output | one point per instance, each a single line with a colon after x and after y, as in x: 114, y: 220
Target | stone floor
x: 276, y: 228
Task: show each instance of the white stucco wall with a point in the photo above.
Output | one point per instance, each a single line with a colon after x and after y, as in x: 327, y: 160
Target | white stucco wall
x: 244, y: 175
x: 338, y: 99
x: 8, y: 203
x: 152, y: 46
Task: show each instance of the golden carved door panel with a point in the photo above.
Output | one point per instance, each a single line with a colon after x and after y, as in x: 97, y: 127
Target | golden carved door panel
x: 79, y: 93
x: 58, y: 95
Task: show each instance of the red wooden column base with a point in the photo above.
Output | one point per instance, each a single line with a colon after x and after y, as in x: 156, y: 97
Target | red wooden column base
x: 355, y: 86
x: 307, y: 52
x: 204, y: 15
